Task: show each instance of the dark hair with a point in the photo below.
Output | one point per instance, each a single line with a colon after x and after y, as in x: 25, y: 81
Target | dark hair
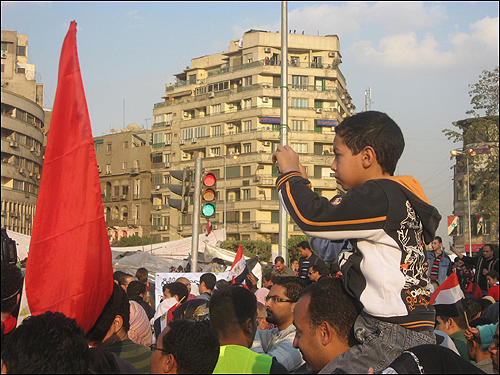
x: 12, y: 284
x: 142, y: 274
x: 177, y: 289
x: 121, y: 277
x: 117, y: 305
x: 49, y: 343
x: 493, y: 274
x: 293, y: 260
x: 472, y: 308
x: 221, y: 284
x: 293, y: 286
x: 209, y: 280
x: 459, y: 320
x: 489, y: 245
x: 268, y: 277
x: 377, y: 130
x: 484, y: 303
x: 439, y: 239
x: 194, y: 346
x: 136, y: 288
x: 316, y: 268
x: 480, y: 322
x: 304, y: 245
x: 230, y: 308
x: 279, y: 259
x: 330, y: 303
x: 102, y: 361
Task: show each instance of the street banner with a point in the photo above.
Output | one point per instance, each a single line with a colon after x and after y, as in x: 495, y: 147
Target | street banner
x: 69, y: 266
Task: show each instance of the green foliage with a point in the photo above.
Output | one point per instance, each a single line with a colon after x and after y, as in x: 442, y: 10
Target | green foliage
x: 250, y: 248
x: 133, y: 240
x: 484, y: 94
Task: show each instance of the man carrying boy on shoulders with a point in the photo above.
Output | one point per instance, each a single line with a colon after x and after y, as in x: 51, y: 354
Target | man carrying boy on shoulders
x: 383, y: 221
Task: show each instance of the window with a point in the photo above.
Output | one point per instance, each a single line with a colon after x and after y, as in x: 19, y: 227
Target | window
x: 4, y: 47
x: 300, y: 148
x: 157, y: 157
x: 216, y: 131
x: 116, y: 191
x: 276, y: 102
x: 157, y: 138
x: 275, y: 217
x: 295, y: 60
x: 247, y: 171
x: 247, y: 126
x: 98, y: 146
x: 192, y: 79
x: 276, y: 82
x: 247, y: 147
x: 156, y: 178
x: 299, y: 82
x: 298, y: 125
x: 21, y: 51
x: 247, y: 103
x: 247, y: 81
x: 299, y: 103
x: 233, y: 171
x: 136, y: 163
x: 216, y: 109
x: 167, y: 158
x: 246, y: 194
x: 168, y: 118
x: 245, y: 217
x: 108, y: 168
x: 124, y: 165
x: 108, y: 147
x: 137, y: 188
x: 460, y: 227
x: 215, y: 151
x: 125, y: 190
x: 486, y: 224
x: 317, y: 62
x: 125, y: 144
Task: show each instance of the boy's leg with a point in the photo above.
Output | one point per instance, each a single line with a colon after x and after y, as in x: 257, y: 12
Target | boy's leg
x: 380, y: 344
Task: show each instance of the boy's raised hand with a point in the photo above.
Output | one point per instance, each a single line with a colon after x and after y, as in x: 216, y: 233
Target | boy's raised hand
x: 287, y: 160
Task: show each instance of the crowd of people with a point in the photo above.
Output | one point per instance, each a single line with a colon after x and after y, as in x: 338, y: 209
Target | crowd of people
x: 357, y: 301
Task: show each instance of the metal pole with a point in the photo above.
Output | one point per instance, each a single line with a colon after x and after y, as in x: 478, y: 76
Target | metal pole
x: 225, y: 193
x: 283, y: 218
x: 196, y: 213
x: 468, y: 203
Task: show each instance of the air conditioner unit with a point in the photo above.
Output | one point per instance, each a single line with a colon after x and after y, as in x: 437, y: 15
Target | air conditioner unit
x: 266, y: 86
x: 230, y: 105
x: 267, y: 128
x: 211, y: 95
x: 4, y: 55
x: 185, y: 114
x: 185, y: 156
x: 181, y: 142
x: 267, y: 143
x: 267, y: 49
x: 167, y: 165
x: 265, y: 99
x: 108, y: 172
x: 21, y: 170
x: 193, y: 140
x: 319, y: 110
x: 161, y: 227
x: 157, y: 187
x: 168, y: 143
x: 256, y: 225
x: 331, y: 54
x: 13, y: 144
x: 230, y: 126
x: 256, y: 179
x: 230, y: 132
x: 123, y: 197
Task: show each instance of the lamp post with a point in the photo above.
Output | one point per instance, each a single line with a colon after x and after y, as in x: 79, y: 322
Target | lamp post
x: 468, y: 153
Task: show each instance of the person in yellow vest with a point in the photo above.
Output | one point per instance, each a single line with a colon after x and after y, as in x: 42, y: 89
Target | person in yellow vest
x: 233, y: 317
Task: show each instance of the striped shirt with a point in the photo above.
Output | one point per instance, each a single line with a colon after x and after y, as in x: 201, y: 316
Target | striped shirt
x: 135, y: 354
x: 435, y: 265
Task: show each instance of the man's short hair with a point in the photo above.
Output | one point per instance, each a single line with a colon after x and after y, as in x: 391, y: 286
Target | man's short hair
x: 460, y: 320
x: 279, y: 259
x: 142, y: 274
x: 209, y: 280
x: 315, y: 268
x: 377, y: 130
x: 136, y: 288
x: 230, y: 308
x: 293, y: 260
x: 304, y: 245
x: 489, y: 245
x: 293, y: 286
x: 440, y: 240
x: 472, y: 307
x: 121, y: 277
x: 221, y: 284
x: 268, y: 277
x: 117, y: 304
x: 177, y: 289
x: 330, y: 303
x: 12, y: 284
x: 194, y: 346
x: 49, y: 343
x: 493, y: 274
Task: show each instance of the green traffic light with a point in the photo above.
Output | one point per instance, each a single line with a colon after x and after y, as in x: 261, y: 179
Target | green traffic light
x: 208, y: 210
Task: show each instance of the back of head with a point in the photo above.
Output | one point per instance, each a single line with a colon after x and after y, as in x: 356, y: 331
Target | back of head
x: 142, y: 274
x: 136, y: 288
x: 230, y: 308
x: 377, y: 130
x: 194, y: 346
x: 49, y: 343
x: 330, y: 303
x: 293, y: 286
x: 177, y: 289
x: 209, y: 280
x: 12, y: 283
x: 473, y: 308
x: 268, y: 277
x: 221, y: 284
x: 117, y: 304
x: 121, y: 277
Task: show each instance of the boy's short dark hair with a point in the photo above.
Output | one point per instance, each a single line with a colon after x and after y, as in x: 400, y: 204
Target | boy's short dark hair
x: 136, y: 288
x: 177, y: 289
x: 49, y: 343
x: 493, y: 274
x: 304, y: 245
x: 209, y: 280
x: 12, y: 284
x: 315, y: 268
x: 230, y: 308
x: 268, y: 277
x: 439, y: 239
x: 194, y: 346
x: 375, y: 129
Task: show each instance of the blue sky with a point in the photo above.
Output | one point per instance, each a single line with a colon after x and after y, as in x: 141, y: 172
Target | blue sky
x: 419, y: 59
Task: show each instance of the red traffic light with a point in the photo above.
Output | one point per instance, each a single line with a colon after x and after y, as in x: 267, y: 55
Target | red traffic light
x: 209, y: 180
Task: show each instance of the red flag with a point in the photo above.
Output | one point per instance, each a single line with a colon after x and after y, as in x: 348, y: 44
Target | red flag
x: 69, y: 265
x: 449, y: 292
x: 209, y: 227
x: 239, y: 270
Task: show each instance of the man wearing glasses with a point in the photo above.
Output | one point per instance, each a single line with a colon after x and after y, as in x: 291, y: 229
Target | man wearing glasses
x: 278, y: 342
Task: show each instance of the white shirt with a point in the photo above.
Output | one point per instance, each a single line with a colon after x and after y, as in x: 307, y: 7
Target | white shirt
x: 163, y: 308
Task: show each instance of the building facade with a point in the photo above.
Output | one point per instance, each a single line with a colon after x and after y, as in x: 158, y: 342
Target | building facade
x: 124, y: 164
x: 23, y: 121
x: 225, y: 108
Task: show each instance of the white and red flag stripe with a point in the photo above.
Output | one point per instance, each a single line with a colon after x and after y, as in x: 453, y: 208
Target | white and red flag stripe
x: 449, y: 292
x: 239, y: 269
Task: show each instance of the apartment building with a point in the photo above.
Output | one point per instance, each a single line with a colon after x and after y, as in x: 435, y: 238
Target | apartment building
x: 23, y: 121
x: 225, y: 108
x: 124, y: 164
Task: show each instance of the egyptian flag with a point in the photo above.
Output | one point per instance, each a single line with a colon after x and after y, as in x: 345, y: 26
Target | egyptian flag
x: 448, y: 298
x: 69, y: 267
x: 209, y: 228
x: 239, y: 269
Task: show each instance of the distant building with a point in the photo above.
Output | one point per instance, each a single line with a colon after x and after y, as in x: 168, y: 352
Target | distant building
x: 124, y: 163
x: 23, y: 122
x: 227, y: 105
x: 484, y: 227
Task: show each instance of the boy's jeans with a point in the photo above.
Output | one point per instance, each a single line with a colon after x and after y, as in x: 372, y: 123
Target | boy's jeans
x: 380, y: 344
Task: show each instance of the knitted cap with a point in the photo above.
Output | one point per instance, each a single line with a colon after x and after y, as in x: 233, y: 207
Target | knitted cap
x: 486, y: 332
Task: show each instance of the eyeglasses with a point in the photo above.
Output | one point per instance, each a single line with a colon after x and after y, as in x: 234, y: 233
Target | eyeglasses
x: 153, y: 347
x: 275, y: 299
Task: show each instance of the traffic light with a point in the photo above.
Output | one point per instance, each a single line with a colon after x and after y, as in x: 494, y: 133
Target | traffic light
x: 184, y: 176
x: 208, y: 195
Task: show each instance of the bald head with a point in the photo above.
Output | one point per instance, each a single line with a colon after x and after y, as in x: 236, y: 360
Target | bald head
x: 186, y: 282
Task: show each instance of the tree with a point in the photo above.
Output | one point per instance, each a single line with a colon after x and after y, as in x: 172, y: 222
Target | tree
x: 250, y: 248
x: 133, y: 240
x: 484, y: 94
